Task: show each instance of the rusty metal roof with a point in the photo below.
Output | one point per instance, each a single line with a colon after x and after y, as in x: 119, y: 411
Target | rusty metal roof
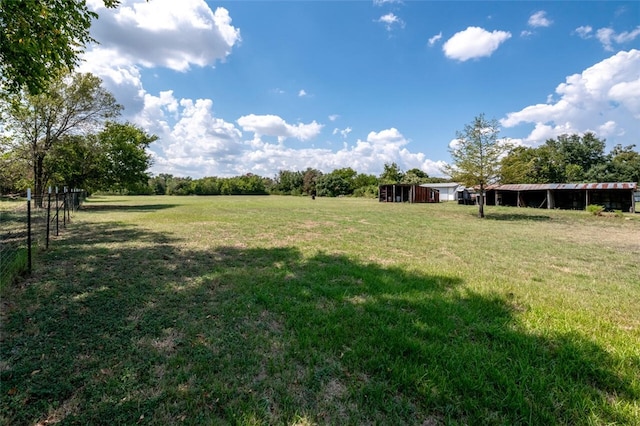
x: 565, y: 186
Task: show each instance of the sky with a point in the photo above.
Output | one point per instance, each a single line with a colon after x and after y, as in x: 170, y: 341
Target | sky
x: 237, y: 87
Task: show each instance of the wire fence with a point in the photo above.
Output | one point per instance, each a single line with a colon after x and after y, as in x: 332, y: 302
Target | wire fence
x: 28, y: 226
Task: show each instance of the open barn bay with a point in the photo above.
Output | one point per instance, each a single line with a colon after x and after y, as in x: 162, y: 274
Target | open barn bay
x: 287, y: 310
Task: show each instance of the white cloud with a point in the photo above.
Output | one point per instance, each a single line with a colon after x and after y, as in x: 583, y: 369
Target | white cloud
x: 390, y: 20
x: 344, y: 132
x: 272, y: 125
x: 159, y: 34
x: 526, y: 33
x: 607, y: 36
x: 383, y: 2
x: 302, y: 93
x: 584, y: 31
x: 539, y: 19
x: 333, y: 117
x: 433, y: 40
x: 191, y: 139
x: 604, y: 98
x: 474, y: 42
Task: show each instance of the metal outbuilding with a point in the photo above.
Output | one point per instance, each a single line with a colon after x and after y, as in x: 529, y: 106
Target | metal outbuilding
x: 576, y: 196
x: 407, y: 193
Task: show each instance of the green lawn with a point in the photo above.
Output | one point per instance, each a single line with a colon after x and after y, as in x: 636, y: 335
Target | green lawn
x: 285, y: 310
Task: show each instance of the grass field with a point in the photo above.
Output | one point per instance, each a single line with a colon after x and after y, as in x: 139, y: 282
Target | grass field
x: 284, y: 310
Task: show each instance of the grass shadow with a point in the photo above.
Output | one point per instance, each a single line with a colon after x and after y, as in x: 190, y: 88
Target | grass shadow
x: 517, y: 217
x: 126, y: 207
x: 127, y: 326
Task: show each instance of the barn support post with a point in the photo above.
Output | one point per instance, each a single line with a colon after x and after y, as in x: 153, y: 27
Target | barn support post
x: 550, y: 202
x: 586, y: 198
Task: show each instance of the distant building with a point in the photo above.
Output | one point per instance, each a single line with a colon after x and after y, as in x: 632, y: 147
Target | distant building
x: 574, y: 196
x: 407, y: 193
x: 448, y: 191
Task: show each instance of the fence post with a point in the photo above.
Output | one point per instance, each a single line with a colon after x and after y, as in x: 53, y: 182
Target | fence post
x: 64, y: 208
x: 57, y: 213
x: 29, y: 230
x: 48, y: 216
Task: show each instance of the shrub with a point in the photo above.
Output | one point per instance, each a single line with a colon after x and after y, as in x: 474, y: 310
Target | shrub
x: 595, y: 209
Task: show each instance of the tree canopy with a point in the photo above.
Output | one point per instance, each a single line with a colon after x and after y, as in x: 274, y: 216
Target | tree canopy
x: 39, y: 40
x: 74, y: 105
x: 476, y: 156
x: 571, y: 158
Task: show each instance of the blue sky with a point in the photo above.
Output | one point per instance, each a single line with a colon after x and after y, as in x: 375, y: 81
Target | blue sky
x: 260, y: 86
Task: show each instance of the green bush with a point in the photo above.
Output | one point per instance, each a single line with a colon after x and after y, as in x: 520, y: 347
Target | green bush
x: 595, y: 209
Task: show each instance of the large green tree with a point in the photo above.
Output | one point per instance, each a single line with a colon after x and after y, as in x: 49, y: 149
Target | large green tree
x: 569, y: 158
x: 391, y: 174
x: 41, y: 39
x: 476, y: 156
x: 74, y: 105
x: 124, y: 156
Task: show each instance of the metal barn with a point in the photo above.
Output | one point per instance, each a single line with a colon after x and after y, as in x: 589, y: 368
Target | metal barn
x: 407, y: 193
x: 572, y: 196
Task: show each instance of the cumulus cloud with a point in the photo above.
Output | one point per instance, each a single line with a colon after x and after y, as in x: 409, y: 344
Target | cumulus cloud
x: 154, y: 34
x: 333, y: 117
x: 390, y: 20
x: 433, y: 40
x: 159, y: 34
x: 584, y: 31
x: 474, y: 42
x: 539, y: 19
x: 604, y: 98
x: 383, y: 2
x: 272, y: 125
x: 344, y: 132
x: 607, y: 36
x: 302, y: 93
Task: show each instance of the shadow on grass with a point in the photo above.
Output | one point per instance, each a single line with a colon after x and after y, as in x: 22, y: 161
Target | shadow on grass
x: 123, y: 327
x: 125, y: 207
x: 517, y: 217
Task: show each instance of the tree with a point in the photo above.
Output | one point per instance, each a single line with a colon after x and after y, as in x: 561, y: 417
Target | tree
x: 309, y: 180
x: 73, y: 105
x: 391, y: 174
x: 415, y: 176
x: 288, y: 182
x: 333, y: 185
x: 75, y: 161
x: 125, y: 159
x: 476, y: 156
x: 40, y: 40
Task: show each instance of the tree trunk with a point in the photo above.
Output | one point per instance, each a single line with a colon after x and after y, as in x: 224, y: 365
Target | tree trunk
x: 38, y: 174
x: 481, y: 202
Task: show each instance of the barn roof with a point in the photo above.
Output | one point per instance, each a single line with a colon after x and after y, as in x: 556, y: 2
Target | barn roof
x: 565, y: 186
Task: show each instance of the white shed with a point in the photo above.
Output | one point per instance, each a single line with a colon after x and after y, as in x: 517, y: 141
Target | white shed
x: 448, y: 191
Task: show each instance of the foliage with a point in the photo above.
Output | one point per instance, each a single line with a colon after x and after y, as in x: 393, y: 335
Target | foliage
x: 40, y: 40
x: 476, y: 156
x: 369, y: 191
x: 415, y: 176
x: 363, y: 180
x: 391, y: 174
x: 333, y: 185
x: 571, y: 158
x: 72, y: 105
x: 288, y: 183
x: 124, y: 156
x: 309, y: 181
x: 595, y: 209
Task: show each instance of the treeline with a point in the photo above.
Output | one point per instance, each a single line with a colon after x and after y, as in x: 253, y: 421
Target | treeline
x: 571, y: 158
x: 311, y: 182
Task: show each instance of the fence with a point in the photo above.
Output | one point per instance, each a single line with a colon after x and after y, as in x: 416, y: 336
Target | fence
x: 27, y: 226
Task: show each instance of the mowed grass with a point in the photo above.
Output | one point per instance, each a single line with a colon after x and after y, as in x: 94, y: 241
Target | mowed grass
x: 285, y: 310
